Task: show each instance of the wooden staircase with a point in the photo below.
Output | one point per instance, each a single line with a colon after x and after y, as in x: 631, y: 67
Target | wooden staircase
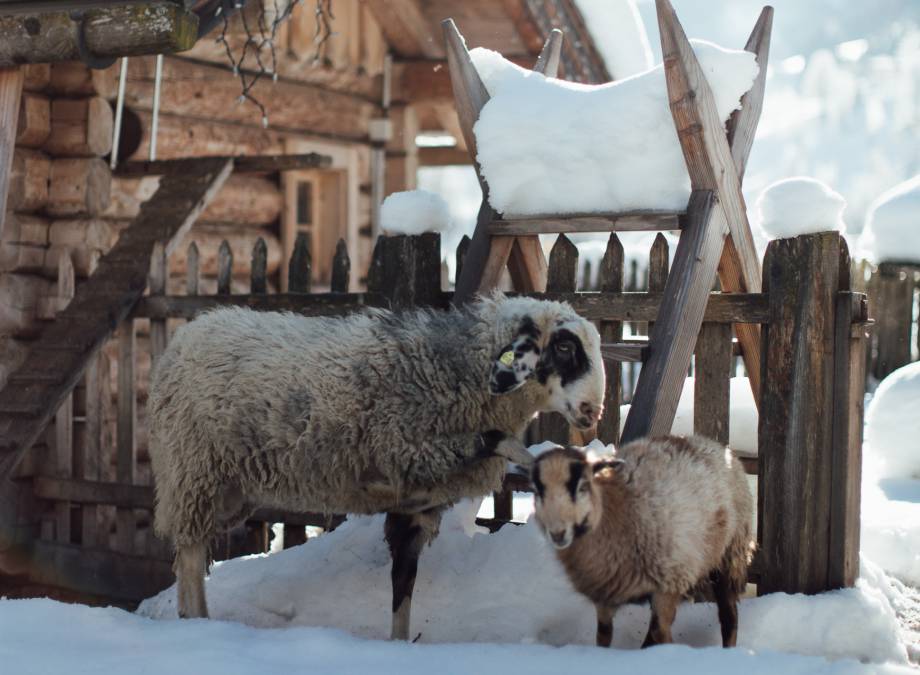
x: 61, y: 354
x: 715, y: 237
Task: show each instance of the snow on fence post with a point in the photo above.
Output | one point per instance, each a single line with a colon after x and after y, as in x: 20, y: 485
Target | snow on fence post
x: 810, y: 417
x: 892, y: 288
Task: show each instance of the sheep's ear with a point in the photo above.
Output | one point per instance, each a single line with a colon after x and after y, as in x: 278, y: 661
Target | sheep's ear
x: 602, y: 465
x: 514, y: 365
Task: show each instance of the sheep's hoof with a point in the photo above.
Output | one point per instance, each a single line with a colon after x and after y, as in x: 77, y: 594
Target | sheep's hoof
x: 514, y: 451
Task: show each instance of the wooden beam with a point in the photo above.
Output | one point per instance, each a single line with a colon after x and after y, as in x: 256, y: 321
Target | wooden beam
x: 241, y: 164
x: 406, y: 28
x: 428, y: 80
x: 712, y: 167
x: 637, y: 221
x: 10, y: 93
x: 443, y: 156
x: 46, y: 35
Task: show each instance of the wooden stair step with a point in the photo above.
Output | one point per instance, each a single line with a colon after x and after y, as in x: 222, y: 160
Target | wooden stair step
x: 632, y: 350
x: 626, y: 221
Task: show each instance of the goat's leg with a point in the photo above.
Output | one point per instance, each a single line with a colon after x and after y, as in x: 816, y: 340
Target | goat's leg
x: 190, y: 567
x: 664, y: 608
x: 604, y: 625
x: 727, y: 602
x: 406, y: 534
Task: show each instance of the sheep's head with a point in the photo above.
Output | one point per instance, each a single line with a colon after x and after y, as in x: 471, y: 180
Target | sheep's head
x: 560, y: 351
x: 567, y: 501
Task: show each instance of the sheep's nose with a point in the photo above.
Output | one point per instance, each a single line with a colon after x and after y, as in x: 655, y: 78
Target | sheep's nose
x: 591, y: 411
x: 558, y: 537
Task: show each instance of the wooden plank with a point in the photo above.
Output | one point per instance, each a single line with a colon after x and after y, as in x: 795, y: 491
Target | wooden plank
x: 563, y: 267
x: 548, y: 61
x: 10, y: 93
x: 157, y: 286
x: 658, y: 262
x: 711, y: 167
x: 341, y: 268
x: 850, y: 341
x: 44, y: 35
x: 116, y: 577
x: 34, y: 123
x: 633, y: 221
x: 624, y: 351
x: 892, y: 286
x: 796, y: 429
x: 527, y: 264
x: 611, y: 281
x: 678, y: 323
x: 125, y: 433
x: 92, y: 448
x: 300, y: 267
x: 241, y: 164
x: 63, y: 419
x: 258, y: 284
x: 712, y: 380
x: 191, y: 270
x: 224, y: 268
x: 122, y: 495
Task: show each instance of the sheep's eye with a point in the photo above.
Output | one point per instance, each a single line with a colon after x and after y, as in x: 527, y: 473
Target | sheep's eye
x: 565, y: 347
x: 584, y: 488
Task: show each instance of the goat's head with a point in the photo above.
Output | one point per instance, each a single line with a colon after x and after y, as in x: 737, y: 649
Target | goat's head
x: 567, y: 502
x: 558, y: 350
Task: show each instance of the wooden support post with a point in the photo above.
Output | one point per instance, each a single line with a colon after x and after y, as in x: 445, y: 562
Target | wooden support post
x: 10, y: 92
x: 63, y: 419
x: 125, y: 433
x: 808, y: 436
x: 92, y: 447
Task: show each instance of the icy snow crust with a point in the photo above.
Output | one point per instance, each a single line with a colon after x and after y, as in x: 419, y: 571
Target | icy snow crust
x: 550, y: 146
x: 508, y: 587
x: 799, y: 205
x: 108, y: 641
x: 892, y: 229
x: 414, y: 212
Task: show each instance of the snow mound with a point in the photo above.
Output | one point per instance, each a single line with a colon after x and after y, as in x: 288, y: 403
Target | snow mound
x: 618, y: 33
x: 890, y: 528
x: 414, y: 212
x: 508, y: 587
x: 891, y: 231
x: 108, y: 641
x: 799, y: 205
x: 742, y: 415
x: 892, y: 429
x: 550, y: 146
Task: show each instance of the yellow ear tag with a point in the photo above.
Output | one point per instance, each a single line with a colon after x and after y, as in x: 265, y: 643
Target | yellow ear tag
x: 507, y: 358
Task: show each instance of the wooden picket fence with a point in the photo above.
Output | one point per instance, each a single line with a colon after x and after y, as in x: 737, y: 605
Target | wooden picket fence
x: 97, y: 541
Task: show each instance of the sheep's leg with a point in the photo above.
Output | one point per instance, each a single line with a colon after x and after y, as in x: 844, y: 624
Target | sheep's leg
x: 190, y: 567
x: 664, y: 608
x: 406, y: 534
x: 604, y: 625
x: 727, y: 602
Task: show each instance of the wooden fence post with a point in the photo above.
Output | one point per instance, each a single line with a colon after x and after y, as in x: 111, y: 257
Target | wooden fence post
x: 407, y: 270
x: 610, y: 280
x: 810, y: 418
x: 893, y: 288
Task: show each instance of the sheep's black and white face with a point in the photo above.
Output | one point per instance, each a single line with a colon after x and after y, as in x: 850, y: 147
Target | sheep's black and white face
x: 567, y: 502
x: 565, y: 358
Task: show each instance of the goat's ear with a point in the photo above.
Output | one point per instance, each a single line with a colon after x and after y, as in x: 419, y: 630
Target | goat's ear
x: 514, y: 364
x: 601, y: 465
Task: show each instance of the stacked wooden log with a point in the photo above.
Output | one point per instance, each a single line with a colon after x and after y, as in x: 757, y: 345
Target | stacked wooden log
x: 59, y: 186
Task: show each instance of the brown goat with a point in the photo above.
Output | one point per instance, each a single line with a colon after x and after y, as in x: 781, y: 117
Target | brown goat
x: 655, y: 521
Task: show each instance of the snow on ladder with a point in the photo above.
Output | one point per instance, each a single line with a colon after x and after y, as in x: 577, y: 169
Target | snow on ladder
x: 715, y: 237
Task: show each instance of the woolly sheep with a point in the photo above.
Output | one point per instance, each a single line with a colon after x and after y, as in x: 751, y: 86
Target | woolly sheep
x: 403, y: 413
x: 659, y: 519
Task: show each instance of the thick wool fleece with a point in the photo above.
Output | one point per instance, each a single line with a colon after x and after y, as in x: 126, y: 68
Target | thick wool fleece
x: 350, y: 414
x: 675, y: 511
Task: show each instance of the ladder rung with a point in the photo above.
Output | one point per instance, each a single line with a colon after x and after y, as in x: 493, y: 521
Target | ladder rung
x: 624, y: 351
x: 627, y: 221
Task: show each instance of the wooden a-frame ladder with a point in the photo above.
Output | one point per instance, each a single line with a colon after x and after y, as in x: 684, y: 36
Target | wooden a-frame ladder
x: 715, y: 237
